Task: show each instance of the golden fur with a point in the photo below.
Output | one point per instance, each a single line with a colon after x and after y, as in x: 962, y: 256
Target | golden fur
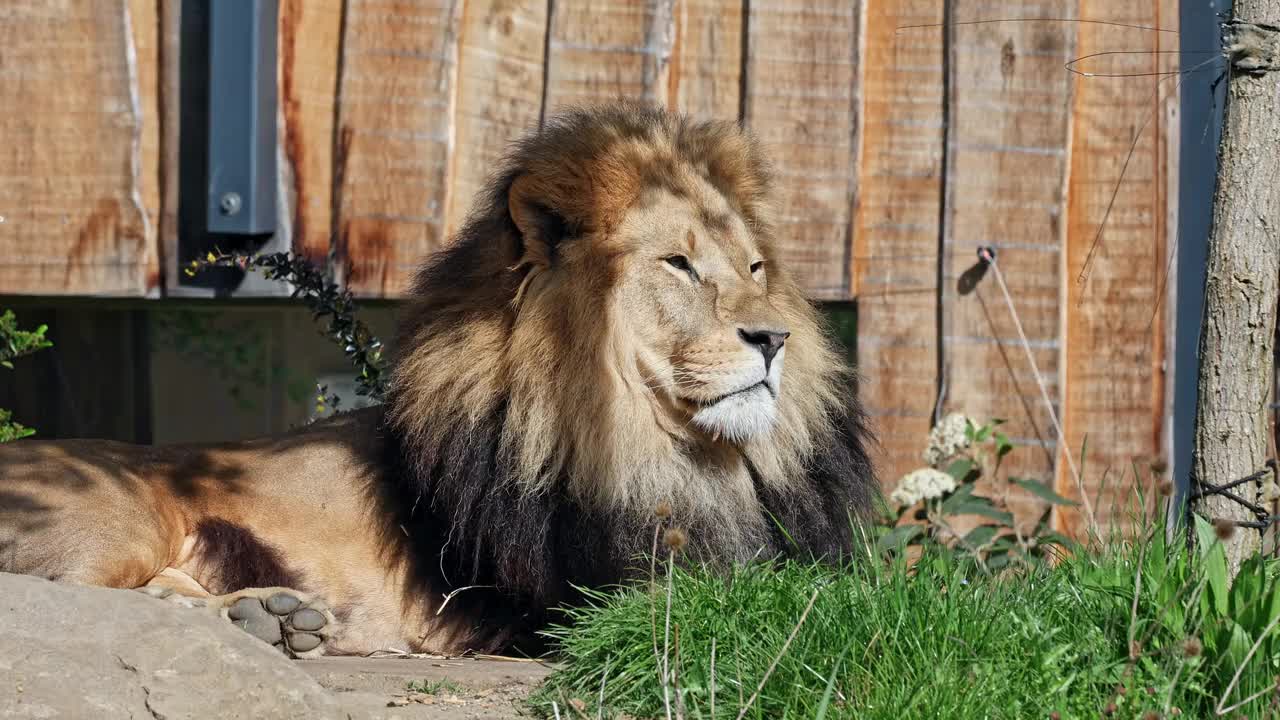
x: 613, y: 328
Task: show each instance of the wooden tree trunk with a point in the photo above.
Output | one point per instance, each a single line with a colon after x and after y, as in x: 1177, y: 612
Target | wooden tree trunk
x: 1241, y: 285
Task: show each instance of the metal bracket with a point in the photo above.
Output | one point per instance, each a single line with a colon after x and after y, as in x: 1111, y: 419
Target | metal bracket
x: 241, y: 172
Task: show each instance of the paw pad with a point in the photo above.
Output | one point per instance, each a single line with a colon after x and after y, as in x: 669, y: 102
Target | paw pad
x: 282, y: 620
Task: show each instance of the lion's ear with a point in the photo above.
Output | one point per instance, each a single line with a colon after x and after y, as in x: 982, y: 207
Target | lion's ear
x: 541, y: 227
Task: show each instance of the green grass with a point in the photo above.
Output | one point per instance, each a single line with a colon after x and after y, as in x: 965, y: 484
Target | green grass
x: 433, y: 687
x: 941, y: 640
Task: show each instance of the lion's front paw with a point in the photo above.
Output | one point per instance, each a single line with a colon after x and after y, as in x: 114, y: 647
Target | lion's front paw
x: 295, y: 622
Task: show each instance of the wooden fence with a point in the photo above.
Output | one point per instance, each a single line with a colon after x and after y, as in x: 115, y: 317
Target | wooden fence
x: 901, y: 148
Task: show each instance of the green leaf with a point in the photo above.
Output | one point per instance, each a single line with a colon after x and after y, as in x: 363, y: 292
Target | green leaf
x: 899, y: 537
x: 981, y: 507
x: 1238, y: 645
x: 1049, y: 537
x: 983, y: 433
x: 960, y: 496
x: 1247, y: 592
x: 965, y: 502
x: 1205, y: 537
x: 981, y: 535
x: 1042, y: 491
x: 960, y: 469
x: 1215, y: 572
x: 998, y: 561
x: 10, y: 430
x: 1003, y: 446
x: 1269, y: 607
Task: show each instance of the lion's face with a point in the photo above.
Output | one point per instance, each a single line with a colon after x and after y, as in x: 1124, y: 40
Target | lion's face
x: 608, y: 333
x: 693, y: 293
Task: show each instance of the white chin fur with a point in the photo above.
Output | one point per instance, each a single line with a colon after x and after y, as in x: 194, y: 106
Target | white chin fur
x: 739, y: 417
x: 748, y: 414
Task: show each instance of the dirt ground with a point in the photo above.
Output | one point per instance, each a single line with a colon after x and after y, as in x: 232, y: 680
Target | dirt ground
x: 377, y: 688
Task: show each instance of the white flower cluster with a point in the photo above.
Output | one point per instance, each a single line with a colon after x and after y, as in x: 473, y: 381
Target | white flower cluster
x: 923, y: 484
x: 946, y: 439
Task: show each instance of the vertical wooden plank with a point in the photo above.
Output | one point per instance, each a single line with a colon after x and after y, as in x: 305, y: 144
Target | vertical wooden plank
x: 706, y: 76
x: 895, y: 255
x: 77, y: 145
x: 395, y: 138
x: 1010, y: 110
x: 801, y: 100
x: 1114, y: 350
x: 499, y: 90
x: 168, y: 121
x: 309, y: 37
x: 144, y: 22
x: 680, y: 54
x: 607, y: 49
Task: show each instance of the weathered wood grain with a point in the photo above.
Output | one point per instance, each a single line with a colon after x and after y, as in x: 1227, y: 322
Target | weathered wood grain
x: 77, y: 82
x: 706, y: 76
x: 499, y: 91
x: 168, y: 121
x: 145, y: 26
x: 1115, y: 346
x: 1007, y: 168
x: 685, y: 55
x: 894, y: 264
x: 310, y: 41
x: 608, y: 49
x: 395, y: 137
x: 801, y: 100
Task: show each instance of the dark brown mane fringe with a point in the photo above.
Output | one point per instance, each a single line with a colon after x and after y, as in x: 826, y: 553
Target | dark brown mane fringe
x: 453, y: 496
x: 462, y: 522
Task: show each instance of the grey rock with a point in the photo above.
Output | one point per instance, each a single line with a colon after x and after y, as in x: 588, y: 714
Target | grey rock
x: 70, y: 651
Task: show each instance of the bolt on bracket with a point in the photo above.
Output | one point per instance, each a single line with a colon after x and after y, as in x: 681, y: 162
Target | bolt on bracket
x: 241, y: 171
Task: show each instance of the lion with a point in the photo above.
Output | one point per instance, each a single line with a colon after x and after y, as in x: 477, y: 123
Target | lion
x: 611, y: 332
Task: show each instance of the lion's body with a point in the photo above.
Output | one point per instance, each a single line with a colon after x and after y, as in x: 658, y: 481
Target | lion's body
x: 607, y: 333
x: 297, y: 510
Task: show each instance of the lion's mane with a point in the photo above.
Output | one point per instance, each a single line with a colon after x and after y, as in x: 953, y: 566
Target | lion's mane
x: 523, y: 462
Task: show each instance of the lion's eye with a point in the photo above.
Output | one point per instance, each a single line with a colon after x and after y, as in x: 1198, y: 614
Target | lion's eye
x: 756, y: 266
x: 681, y: 263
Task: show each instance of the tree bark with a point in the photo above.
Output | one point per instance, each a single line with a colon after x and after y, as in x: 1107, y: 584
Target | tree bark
x: 1243, y: 271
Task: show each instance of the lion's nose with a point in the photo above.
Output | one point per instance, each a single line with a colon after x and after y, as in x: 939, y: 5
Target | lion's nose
x: 768, y: 342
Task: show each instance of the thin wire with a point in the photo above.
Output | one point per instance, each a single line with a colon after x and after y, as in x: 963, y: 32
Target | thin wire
x: 989, y: 257
x: 1161, y: 73
x: 1043, y: 19
x: 1083, y: 277
x: 1161, y: 295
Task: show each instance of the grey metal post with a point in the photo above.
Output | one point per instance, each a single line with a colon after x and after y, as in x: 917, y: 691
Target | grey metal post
x: 1201, y: 128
